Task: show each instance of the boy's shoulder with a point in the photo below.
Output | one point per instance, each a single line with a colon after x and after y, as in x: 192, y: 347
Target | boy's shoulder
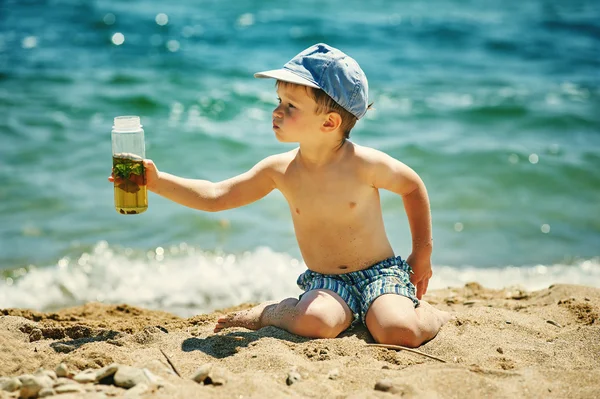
x: 369, y: 155
x: 278, y: 162
x: 374, y: 164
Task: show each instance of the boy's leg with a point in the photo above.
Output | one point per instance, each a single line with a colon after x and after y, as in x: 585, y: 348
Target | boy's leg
x: 320, y: 313
x: 393, y: 319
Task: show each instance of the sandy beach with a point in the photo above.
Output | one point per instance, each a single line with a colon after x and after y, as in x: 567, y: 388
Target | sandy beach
x: 502, y: 343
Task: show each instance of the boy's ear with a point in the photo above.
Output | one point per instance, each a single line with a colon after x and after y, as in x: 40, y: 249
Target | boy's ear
x: 332, y: 121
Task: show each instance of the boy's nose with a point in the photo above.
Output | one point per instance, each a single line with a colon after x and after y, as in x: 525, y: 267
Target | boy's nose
x: 277, y: 112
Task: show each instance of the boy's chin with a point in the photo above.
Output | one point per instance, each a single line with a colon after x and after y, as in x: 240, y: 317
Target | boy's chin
x: 282, y: 139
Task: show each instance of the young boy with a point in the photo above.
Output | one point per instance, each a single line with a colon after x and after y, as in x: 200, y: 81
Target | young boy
x: 332, y: 188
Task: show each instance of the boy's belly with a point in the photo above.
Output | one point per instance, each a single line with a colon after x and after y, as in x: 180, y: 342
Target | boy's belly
x: 342, y: 250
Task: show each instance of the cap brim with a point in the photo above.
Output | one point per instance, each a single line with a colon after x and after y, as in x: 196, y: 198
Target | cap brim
x: 286, y: 76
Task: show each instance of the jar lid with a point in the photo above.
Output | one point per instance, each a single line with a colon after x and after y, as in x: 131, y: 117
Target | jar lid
x: 127, y: 123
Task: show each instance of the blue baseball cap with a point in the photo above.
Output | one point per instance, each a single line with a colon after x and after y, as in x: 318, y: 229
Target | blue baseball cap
x: 329, y: 69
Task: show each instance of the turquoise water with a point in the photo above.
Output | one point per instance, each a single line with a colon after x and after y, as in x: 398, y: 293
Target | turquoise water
x: 496, y: 106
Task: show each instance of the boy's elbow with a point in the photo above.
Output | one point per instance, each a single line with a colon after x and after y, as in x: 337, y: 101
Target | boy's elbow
x: 213, y: 202
x: 415, y: 188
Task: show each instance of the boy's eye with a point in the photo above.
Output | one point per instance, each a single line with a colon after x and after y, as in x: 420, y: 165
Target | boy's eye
x: 289, y: 105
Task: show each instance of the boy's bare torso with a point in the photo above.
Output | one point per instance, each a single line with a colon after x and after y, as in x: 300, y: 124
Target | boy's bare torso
x: 336, y: 212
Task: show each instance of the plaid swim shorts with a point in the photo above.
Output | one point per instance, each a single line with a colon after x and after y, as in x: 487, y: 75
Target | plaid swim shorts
x: 359, y: 289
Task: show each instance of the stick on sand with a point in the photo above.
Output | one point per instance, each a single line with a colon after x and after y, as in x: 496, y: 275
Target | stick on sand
x: 402, y: 348
x: 171, y: 363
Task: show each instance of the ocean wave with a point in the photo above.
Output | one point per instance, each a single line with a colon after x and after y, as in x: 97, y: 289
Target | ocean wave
x: 142, y: 103
x: 185, y: 280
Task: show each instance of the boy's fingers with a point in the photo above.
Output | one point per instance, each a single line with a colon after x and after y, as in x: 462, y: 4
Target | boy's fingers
x: 421, y: 289
x: 424, y: 283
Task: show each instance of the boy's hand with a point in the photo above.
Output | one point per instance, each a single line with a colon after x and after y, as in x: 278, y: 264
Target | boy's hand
x: 151, y: 172
x: 421, y: 267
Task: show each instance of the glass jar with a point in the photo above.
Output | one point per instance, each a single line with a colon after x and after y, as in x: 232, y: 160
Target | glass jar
x: 128, y: 152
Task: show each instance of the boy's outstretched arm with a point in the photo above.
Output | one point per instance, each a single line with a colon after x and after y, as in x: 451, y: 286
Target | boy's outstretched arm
x: 208, y: 196
x: 393, y: 175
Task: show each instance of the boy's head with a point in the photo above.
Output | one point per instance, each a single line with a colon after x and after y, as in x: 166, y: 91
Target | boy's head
x: 333, y: 79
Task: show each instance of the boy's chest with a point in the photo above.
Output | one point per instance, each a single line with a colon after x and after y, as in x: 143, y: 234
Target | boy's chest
x: 325, y: 195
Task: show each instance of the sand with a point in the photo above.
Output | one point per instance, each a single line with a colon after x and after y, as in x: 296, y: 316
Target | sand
x: 502, y: 343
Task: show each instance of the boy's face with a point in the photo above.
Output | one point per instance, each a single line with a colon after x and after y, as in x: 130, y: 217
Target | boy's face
x: 295, y: 118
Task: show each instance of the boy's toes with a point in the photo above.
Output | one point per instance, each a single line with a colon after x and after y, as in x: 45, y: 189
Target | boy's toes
x: 221, y: 324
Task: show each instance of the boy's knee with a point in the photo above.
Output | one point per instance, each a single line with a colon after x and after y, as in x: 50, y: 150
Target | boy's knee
x: 316, y: 321
x: 403, y: 334
x: 315, y: 326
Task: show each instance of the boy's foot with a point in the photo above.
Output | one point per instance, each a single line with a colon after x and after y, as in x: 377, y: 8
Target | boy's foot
x: 441, y: 315
x: 249, y: 319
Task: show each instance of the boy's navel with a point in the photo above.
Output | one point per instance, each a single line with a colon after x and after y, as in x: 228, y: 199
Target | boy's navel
x: 352, y: 205
x: 297, y: 211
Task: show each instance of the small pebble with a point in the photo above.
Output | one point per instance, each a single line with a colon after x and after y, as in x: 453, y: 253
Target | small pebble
x: 86, y: 376
x: 500, y: 350
x: 46, y: 373
x: 10, y: 385
x: 107, y: 371
x: 62, y: 370
x: 128, y: 377
x: 46, y: 392
x: 202, y: 373
x: 383, y: 385
x: 292, y: 377
x: 30, y: 386
x: 333, y: 374
x: 70, y: 388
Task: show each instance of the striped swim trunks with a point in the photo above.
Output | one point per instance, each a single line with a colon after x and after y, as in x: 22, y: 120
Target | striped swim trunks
x: 359, y: 289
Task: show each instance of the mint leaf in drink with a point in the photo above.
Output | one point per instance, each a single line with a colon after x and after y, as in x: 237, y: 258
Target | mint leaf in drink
x: 137, y: 168
x: 121, y: 170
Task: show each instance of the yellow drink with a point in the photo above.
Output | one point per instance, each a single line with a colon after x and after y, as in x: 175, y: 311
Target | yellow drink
x: 131, y: 194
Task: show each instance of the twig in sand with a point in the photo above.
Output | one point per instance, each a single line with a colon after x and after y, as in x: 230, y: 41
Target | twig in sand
x: 553, y: 323
x: 170, y: 363
x: 402, y: 348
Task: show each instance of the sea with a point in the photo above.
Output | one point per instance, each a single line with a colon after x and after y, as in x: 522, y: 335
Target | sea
x: 495, y: 104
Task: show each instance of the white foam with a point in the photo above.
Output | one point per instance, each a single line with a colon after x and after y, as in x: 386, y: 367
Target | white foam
x: 182, y: 280
x: 582, y: 272
x: 187, y: 281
